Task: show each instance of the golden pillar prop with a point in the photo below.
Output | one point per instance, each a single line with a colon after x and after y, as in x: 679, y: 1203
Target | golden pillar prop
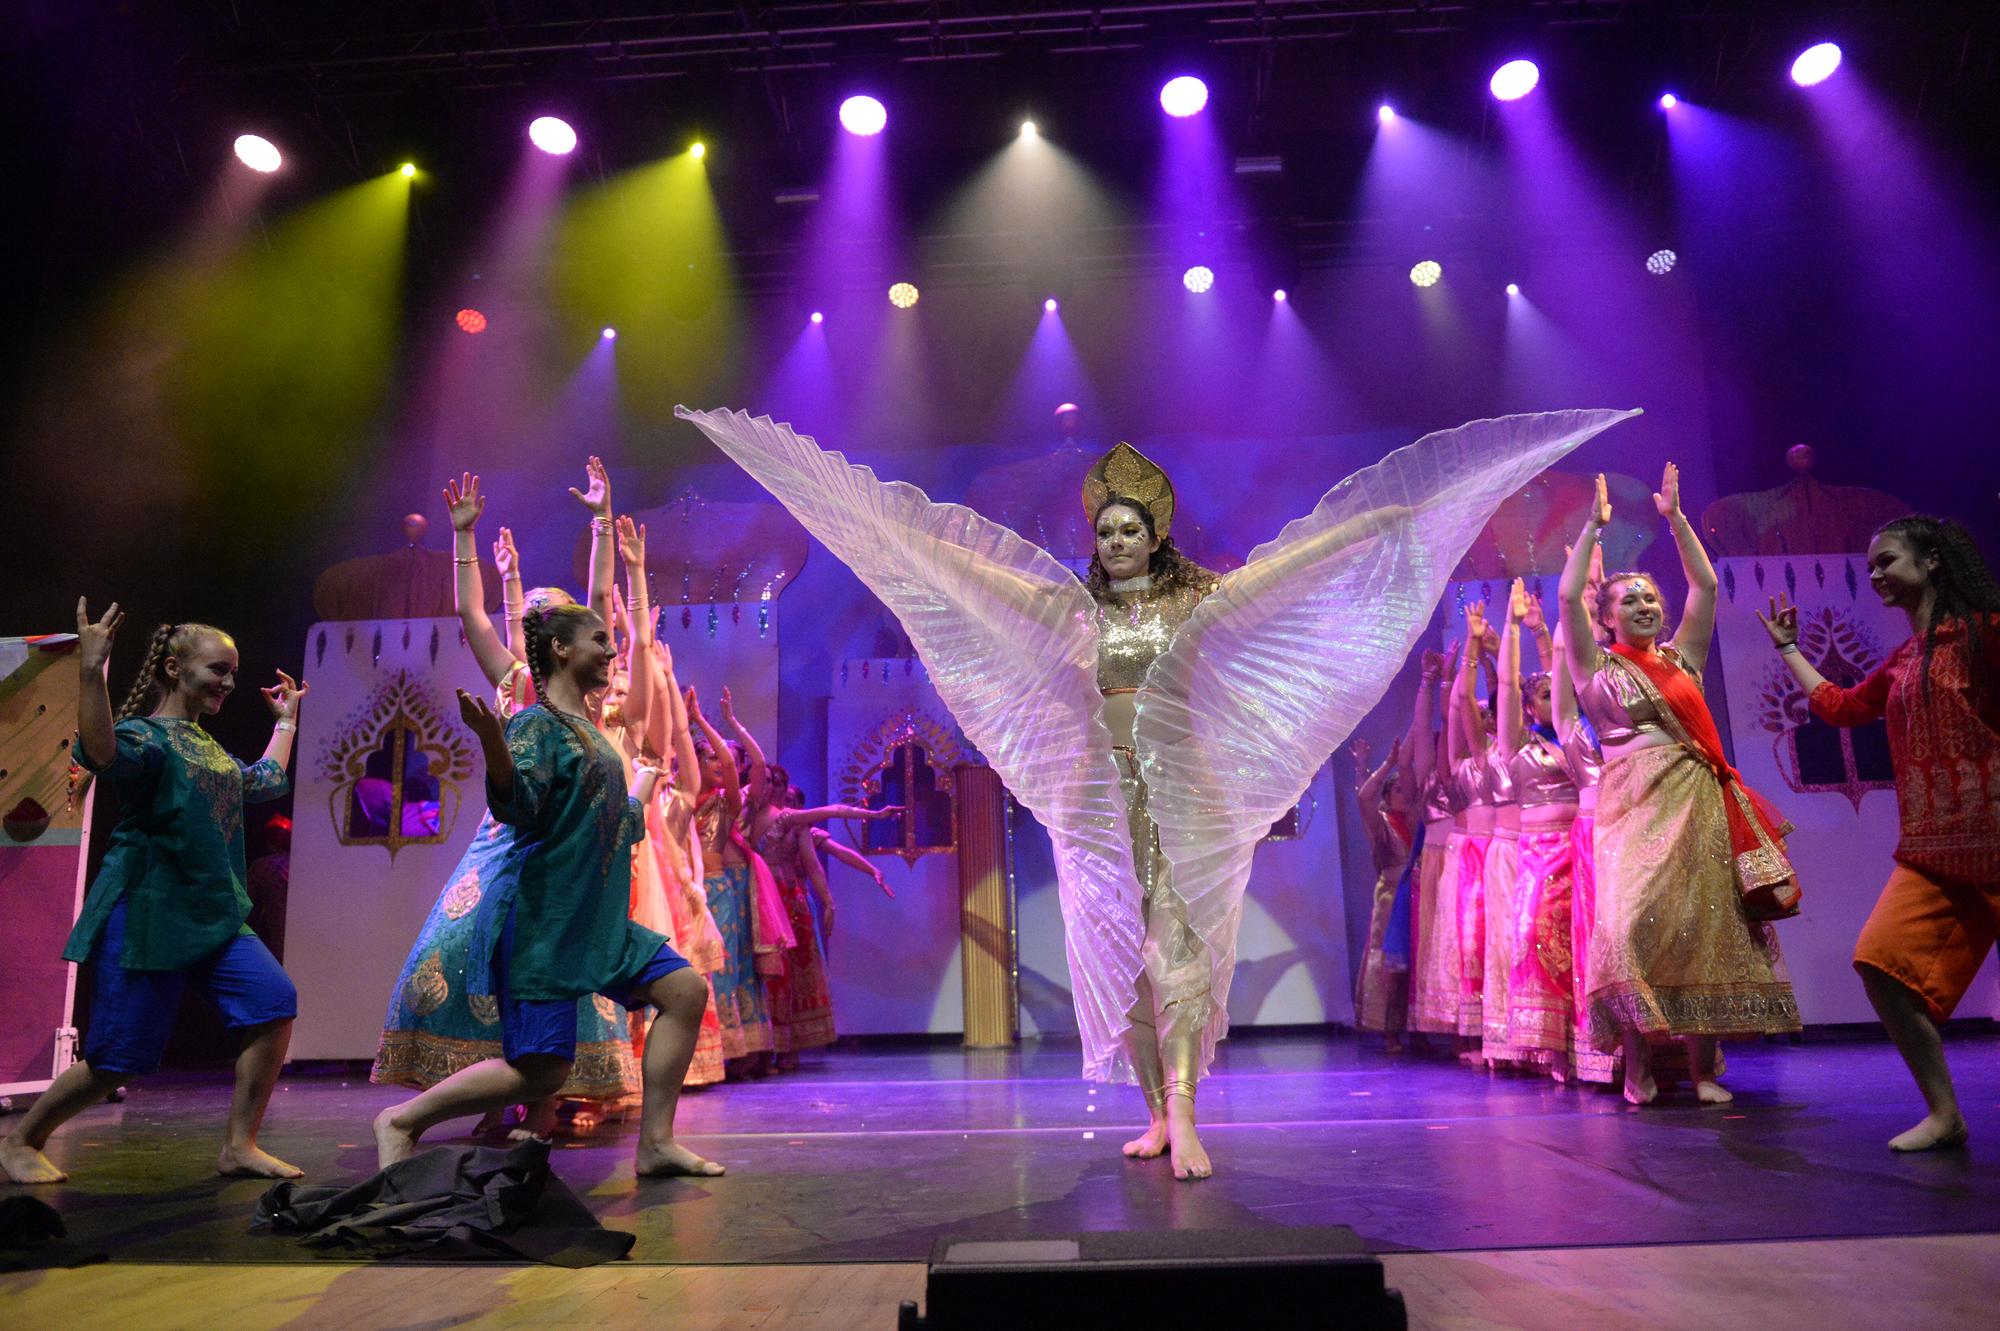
x: 986, y: 920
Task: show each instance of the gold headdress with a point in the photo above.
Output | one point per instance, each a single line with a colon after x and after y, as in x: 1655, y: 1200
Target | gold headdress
x: 1125, y: 471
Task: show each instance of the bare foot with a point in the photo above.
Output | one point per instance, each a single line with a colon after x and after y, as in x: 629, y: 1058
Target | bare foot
x: 253, y: 1162
x: 1713, y: 1093
x: 1189, y: 1157
x: 540, y: 1122
x: 22, y: 1163
x: 490, y: 1123
x: 674, y: 1160
x: 392, y: 1144
x: 1641, y: 1092
x: 1150, y: 1144
x: 1935, y: 1133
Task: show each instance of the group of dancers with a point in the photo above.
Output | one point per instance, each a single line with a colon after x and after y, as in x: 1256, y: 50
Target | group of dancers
x: 1157, y: 717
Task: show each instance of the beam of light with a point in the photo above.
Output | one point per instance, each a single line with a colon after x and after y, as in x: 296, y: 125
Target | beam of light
x: 903, y: 295
x: 1513, y: 288
x: 698, y: 151
x: 1427, y: 273
x: 1049, y: 305
x: 1668, y: 101
x: 818, y: 318
x: 1028, y: 130
x: 1385, y: 113
x: 1515, y: 80
x: 608, y: 333
x: 646, y: 253
x: 407, y: 170
x: 551, y: 135
x: 1183, y: 96
x: 863, y: 115
x: 1280, y: 295
x: 470, y: 320
x: 1661, y: 262
x: 1815, y: 64
x: 1198, y: 279
x: 258, y: 153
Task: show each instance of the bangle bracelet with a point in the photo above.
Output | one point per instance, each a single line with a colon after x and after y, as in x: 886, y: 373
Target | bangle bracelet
x: 1789, y: 649
x: 463, y: 560
x: 285, y: 725
x: 601, y: 524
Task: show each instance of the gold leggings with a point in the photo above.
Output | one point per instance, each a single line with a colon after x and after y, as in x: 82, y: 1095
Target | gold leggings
x: 1173, y: 1003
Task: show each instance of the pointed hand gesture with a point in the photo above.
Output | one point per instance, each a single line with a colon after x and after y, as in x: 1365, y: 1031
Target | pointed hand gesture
x: 463, y: 500
x: 1782, y: 623
x: 505, y: 557
x: 1667, y: 499
x: 596, y: 494
x: 283, y: 697
x: 480, y: 719
x: 94, y: 636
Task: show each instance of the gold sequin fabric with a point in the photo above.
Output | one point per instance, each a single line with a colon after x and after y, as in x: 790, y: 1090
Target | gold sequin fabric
x: 1671, y: 951
x: 1434, y: 963
x: 1134, y: 627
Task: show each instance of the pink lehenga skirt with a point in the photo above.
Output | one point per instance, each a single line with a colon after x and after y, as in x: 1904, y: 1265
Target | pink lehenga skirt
x: 1541, y: 982
x: 1496, y: 966
x: 1468, y: 852
x: 1434, y: 963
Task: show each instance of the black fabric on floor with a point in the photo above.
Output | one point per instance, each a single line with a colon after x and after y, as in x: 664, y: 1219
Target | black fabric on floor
x: 451, y: 1203
x: 34, y: 1238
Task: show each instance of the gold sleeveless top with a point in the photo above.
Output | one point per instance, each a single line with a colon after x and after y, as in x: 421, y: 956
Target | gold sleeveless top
x: 1135, y: 624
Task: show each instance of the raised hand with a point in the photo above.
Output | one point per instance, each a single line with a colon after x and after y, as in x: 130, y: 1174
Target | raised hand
x: 1517, y: 601
x: 505, y: 557
x: 1475, y: 621
x: 480, y: 719
x: 631, y: 543
x: 1430, y: 667
x: 1782, y: 623
x: 596, y: 494
x: 283, y: 697
x: 1362, y: 752
x: 463, y: 500
x: 1600, y: 504
x: 1667, y: 499
x: 94, y: 636
x: 1451, y: 655
x: 728, y: 710
x: 621, y: 623
x: 689, y: 701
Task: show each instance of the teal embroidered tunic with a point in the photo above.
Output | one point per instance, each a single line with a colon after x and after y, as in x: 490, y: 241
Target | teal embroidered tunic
x: 176, y: 855
x: 566, y: 871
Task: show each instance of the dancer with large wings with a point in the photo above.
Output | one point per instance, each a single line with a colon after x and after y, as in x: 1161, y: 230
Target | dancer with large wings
x: 1160, y: 718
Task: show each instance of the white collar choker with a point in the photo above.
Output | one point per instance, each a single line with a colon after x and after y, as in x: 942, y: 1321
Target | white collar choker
x: 1142, y: 583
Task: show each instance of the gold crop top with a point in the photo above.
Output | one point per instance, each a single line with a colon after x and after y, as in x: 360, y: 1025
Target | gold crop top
x: 1582, y: 757
x: 1617, y: 708
x: 1435, y: 798
x: 1539, y: 775
x: 1480, y: 781
x: 1136, y: 624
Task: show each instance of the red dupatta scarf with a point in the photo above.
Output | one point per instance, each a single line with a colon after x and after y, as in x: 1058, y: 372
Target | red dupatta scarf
x: 1757, y: 830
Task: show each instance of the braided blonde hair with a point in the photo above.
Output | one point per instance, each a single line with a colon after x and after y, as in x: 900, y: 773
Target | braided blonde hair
x: 168, y: 640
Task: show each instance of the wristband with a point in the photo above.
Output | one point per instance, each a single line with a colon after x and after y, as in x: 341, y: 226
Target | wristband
x: 463, y: 560
x: 1789, y: 649
x: 285, y: 726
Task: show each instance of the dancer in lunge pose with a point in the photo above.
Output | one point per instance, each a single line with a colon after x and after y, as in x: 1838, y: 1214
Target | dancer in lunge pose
x: 1690, y: 862
x: 552, y: 926
x: 167, y: 909
x: 1937, y: 918
x: 1158, y: 718
x: 436, y: 1024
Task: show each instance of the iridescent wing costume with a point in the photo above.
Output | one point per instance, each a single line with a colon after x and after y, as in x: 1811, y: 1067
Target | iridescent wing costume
x: 1264, y: 677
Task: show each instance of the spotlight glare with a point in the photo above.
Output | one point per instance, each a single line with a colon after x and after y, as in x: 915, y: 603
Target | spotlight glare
x: 551, y: 135
x: 409, y: 170
x: 1515, y: 80
x: 863, y: 115
x: 903, y: 295
x: 1513, y: 288
x: 1668, y: 101
x: 1198, y: 279
x: 1427, y: 273
x: 258, y: 153
x: 1028, y: 130
x: 1385, y: 113
x: 470, y: 320
x: 1049, y: 305
x: 1183, y: 96
x: 1661, y: 262
x: 1279, y: 296
x: 609, y: 334
x: 1815, y: 64
x: 818, y: 318
x: 698, y: 151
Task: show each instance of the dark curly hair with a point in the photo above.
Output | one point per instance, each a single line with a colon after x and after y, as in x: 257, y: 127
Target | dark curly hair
x: 1962, y: 585
x: 1168, y: 567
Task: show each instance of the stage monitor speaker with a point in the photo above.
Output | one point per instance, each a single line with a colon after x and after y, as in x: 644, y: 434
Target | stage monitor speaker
x: 1304, y: 1277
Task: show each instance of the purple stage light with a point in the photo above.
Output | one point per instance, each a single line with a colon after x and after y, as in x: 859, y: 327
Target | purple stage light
x: 1183, y: 96
x: 1513, y: 288
x: 552, y: 135
x: 1427, y: 273
x: 1661, y: 262
x: 609, y: 334
x: 1049, y: 305
x: 1385, y: 113
x: 903, y: 295
x: 863, y: 115
x: 1668, y: 101
x: 1515, y: 80
x: 1279, y: 296
x: 1198, y: 279
x: 258, y: 153
x: 818, y: 318
x: 1815, y: 64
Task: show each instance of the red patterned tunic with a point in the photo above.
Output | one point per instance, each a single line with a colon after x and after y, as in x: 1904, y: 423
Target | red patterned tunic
x: 1945, y: 742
